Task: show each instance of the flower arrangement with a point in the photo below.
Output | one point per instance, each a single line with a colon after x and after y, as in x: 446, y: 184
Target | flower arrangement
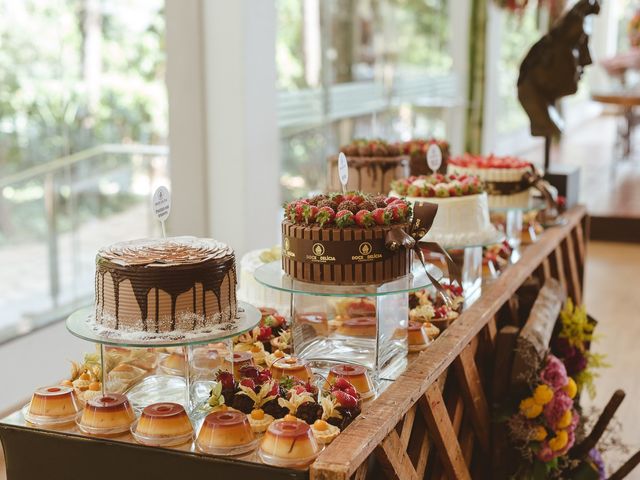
x: 544, y: 426
x: 633, y: 30
x: 572, y: 345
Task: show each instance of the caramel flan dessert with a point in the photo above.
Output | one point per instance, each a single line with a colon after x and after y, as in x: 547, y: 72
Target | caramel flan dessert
x: 226, y: 432
x: 288, y: 444
x: 173, y: 364
x: 358, y: 327
x: 163, y: 424
x: 356, y: 375
x: 291, y: 366
x: 234, y: 364
x: 107, y: 414
x: 316, y: 320
x: 417, y: 336
x: 177, y: 284
x: 55, y: 405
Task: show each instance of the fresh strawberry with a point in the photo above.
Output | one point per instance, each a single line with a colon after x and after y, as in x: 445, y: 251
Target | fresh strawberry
x: 394, y: 212
x: 403, y: 208
x: 357, y: 199
x: 226, y: 379
x: 364, y: 219
x: 381, y: 216
x: 299, y: 389
x: 338, y: 198
x: 345, y: 400
x: 265, y: 334
x: 297, y: 210
x: 390, y: 200
x: 429, y: 191
x: 341, y: 383
x: 310, y: 214
x: 275, y: 389
x: 274, y: 321
x: 413, y: 191
x: 344, y: 218
x: 325, y: 215
x: 263, y: 377
x: 247, y: 382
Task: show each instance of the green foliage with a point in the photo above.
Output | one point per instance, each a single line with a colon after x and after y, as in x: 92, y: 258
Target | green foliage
x: 586, y: 378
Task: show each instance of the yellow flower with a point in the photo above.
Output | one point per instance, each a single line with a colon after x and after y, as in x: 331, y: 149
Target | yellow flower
x: 530, y: 408
x: 542, y: 394
x: 559, y: 441
x: 571, y: 388
x: 538, y: 433
x: 565, y: 420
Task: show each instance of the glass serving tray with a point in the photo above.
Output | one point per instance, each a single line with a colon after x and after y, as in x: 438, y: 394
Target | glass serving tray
x: 273, y: 276
x: 80, y: 324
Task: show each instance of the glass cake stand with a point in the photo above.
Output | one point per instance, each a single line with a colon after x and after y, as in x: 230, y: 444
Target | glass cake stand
x: 362, y: 324
x: 182, y: 362
x: 513, y: 218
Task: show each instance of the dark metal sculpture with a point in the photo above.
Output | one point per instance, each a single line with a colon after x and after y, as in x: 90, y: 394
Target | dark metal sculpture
x: 552, y: 69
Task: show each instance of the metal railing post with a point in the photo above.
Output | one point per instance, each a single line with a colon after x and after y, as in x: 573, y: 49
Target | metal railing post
x: 52, y: 236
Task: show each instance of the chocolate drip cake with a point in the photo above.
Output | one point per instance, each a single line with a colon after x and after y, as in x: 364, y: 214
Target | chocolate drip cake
x: 353, y: 238
x: 373, y: 165
x: 164, y: 285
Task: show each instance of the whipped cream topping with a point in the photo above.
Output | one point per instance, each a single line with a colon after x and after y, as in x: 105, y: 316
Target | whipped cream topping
x: 159, y: 252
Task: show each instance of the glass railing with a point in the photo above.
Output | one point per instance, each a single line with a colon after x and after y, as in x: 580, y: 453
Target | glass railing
x: 53, y: 219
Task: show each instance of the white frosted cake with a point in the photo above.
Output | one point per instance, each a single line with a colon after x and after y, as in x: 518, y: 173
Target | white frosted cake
x: 255, y: 293
x: 503, y: 177
x: 463, y: 209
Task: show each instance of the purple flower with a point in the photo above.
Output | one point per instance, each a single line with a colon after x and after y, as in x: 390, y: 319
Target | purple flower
x: 575, y: 363
x: 597, y: 460
x: 554, y: 410
x: 554, y: 373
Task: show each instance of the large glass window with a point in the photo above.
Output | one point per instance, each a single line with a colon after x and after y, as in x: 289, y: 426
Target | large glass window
x: 83, y: 118
x: 357, y: 68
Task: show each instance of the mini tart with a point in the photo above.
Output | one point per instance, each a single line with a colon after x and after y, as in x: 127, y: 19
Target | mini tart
x: 239, y: 360
x: 53, y: 405
x: 260, y: 425
x: 364, y: 327
x: 356, y: 375
x: 327, y: 435
x: 291, y: 367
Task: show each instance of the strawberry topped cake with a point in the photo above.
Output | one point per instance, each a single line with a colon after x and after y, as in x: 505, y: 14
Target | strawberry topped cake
x: 351, y: 238
x: 417, y: 151
x: 373, y: 165
x: 463, y: 209
x: 505, y: 178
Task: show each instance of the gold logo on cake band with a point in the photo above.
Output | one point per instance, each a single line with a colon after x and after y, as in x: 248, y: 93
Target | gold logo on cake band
x: 318, y: 249
x: 365, y: 248
x: 287, y: 243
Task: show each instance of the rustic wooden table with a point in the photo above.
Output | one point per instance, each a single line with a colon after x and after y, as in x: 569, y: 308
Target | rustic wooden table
x: 433, y: 420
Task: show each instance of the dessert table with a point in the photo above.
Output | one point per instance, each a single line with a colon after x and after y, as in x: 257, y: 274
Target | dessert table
x: 433, y: 419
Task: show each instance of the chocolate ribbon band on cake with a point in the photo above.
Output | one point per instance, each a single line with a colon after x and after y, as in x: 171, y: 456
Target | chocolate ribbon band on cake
x: 506, y: 188
x: 423, y: 215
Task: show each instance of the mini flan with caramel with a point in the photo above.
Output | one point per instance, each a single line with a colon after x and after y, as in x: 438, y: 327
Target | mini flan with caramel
x: 107, y: 414
x: 356, y: 375
x: 226, y: 432
x: 237, y: 361
x: 417, y: 336
x: 288, y: 444
x: 364, y: 327
x: 163, y: 424
x: 291, y: 366
x: 53, y: 405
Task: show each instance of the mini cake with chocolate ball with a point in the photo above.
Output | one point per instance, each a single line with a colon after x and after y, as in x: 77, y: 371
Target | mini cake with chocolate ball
x: 111, y: 413
x: 351, y: 238
x: 373, y: 165
x: 163, y: 423
x: 505, y: 178
x: 177, y: 284
x: 463, y: 208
